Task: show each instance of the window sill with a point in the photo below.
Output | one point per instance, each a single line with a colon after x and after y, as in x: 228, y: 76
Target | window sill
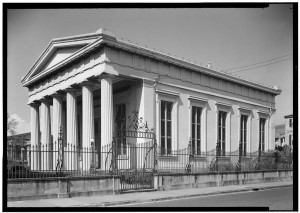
x: 223, y: 158
x: 169, y: 157
x: 123, y: 157
x: 198, y: 158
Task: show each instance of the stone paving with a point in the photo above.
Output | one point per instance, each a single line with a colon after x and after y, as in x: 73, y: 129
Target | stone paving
x: 139, y: 197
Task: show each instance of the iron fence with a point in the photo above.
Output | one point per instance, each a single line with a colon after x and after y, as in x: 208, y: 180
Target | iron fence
x: 56, y: 160
x: 145, y: 158
x: 183, y: 161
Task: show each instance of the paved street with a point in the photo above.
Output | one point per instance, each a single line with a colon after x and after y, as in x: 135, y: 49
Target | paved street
x: 276, y: 199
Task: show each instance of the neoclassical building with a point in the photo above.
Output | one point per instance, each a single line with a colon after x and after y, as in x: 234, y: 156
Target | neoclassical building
x: 88, y: 84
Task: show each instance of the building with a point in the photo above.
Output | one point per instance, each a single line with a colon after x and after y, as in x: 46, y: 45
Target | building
x: 91, y: 83
x: 289, y: 129
x: 280, y: 135
x: 18, y: 148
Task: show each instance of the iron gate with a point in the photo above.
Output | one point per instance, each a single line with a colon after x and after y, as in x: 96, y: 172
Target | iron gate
x: 134, y: 154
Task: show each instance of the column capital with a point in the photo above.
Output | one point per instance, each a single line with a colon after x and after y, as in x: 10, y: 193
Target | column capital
x: 57, y: 95
x: 71, y: 89
x: 34, y: 104
x: 46, y: 100
x: 106, y: 76
x: 87, y: 83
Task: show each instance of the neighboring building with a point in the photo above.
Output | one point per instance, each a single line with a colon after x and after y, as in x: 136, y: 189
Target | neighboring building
x: 280, y: 135
x: 18, y: 146
x: 289, y: 129
x: 94, y: 82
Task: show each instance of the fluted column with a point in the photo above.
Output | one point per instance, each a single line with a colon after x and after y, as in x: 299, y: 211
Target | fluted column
x: 46, y: 150
x: 106, y: 117
x: 57, y: 123
x: 106, y: 109
x: 88, y: 132
x: 35, y: 130
x: 72, y: 140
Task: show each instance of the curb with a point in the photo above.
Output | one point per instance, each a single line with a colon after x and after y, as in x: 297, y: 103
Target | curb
x: 111, y: 204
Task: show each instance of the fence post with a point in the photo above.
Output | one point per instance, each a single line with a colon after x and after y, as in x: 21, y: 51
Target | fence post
x: 93, y: 155
x: 240, y: 158
x: 188, y: 165
x: 218, y: 152
x: 155, y: 156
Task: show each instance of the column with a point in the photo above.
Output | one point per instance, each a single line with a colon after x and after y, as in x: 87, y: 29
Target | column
x: 106, y: 117
x: 46, y: 149
x: 71, y: 149
x: 35, y: 129
x: 57, y: 124
x: 88, y: 132
x: 106, y: 109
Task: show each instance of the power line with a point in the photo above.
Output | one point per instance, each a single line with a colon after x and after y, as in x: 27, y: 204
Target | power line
x: 258, y: 62
x: 261, y: 65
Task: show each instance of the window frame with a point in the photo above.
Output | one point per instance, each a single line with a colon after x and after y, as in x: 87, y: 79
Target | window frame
x: 202, y: 103
x: 169, y: 96
x: 245, y: 112
x: 224, y: 108
x: 266, y: 116
x: 262, y: 148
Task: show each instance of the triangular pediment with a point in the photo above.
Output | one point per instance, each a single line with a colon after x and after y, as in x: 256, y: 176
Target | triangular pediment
x: 58, y: 51
x: 59, y: 55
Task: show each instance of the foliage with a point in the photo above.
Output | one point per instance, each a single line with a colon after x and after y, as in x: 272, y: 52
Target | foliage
x: 12, y: 124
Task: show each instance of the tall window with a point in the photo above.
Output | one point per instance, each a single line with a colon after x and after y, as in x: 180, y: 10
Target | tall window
x: 290, y: 140
x: 166, y: 127
x: 262, y: 122
x: 291, y: 122
x: 121, y: 127
x: 243, y: 134
x: 221, y: 132
x: 196, y: 130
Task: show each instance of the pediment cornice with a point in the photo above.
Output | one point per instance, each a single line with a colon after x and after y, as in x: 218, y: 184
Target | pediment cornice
x: 78, y: 43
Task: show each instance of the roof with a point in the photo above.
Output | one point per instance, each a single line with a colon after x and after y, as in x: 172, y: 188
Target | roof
x: 63, y: 51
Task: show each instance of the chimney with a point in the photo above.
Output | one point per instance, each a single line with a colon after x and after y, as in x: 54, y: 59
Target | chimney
x: 209, y: 65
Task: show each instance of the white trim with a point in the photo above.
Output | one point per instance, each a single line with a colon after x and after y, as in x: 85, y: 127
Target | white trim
x: 170, y: 97
x: 167, y: 92
x: 199, y: 102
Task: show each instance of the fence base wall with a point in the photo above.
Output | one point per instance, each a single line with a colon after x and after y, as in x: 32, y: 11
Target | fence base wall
x: 61, y: 188
x: 164, y: 182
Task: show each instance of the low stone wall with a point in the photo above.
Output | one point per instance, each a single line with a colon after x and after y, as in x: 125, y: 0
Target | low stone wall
x: 182, y: 181
x: 31, y: 189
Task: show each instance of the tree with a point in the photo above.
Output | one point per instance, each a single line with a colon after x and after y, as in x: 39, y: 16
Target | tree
x: 12, y: 124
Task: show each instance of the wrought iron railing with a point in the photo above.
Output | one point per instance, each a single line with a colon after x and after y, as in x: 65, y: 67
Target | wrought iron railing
x: 183, y: 161
x: 53, y: 160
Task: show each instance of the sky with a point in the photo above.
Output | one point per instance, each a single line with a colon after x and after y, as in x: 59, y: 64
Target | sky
x: 227, y: 38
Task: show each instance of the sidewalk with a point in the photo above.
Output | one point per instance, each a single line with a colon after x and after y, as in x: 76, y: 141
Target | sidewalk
x: 139, y: 197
